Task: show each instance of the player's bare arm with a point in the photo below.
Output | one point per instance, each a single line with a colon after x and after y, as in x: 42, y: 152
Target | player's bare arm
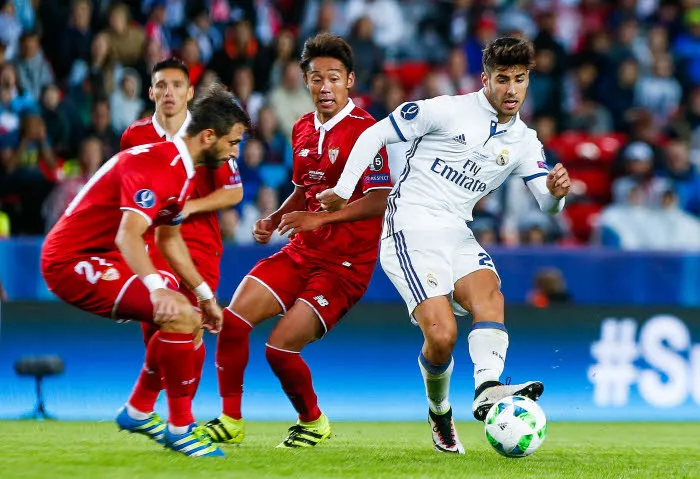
x: 167, y: 304
x: 371, y: 205
x: 558, y: 181
x: 174, y: 250
x: 215, y: 201
x: 264, y: 227
x: 365, y: 149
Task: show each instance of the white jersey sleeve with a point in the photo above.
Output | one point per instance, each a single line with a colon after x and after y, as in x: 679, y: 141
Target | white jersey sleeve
x: 410, y: 120
x: 418, y: 118
x: 534, y: 170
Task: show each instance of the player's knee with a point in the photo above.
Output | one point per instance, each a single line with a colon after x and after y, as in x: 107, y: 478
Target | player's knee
x: 188, y: 321
x: 489, y: 307
x: 441, y: 338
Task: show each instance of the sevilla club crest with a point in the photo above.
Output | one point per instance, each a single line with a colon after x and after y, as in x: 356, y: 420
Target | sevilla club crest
x: 333, y: 154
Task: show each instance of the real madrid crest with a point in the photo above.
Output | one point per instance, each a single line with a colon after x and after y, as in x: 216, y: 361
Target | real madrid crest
x: 333, y: 154
x: 502, y: 159
x: 432, y: 280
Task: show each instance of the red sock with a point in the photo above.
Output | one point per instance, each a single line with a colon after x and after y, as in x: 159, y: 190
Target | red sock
x: 148, y: 385
x: 148, y: 330
x: 200, y: 352
x: 295, y: 376
x: 232, y: 353
x: 176, y: 358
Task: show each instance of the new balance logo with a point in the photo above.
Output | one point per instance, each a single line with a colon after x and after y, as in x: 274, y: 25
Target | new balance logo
x: 304, y: 152
x: 321, y: 300
x: 460, y: 139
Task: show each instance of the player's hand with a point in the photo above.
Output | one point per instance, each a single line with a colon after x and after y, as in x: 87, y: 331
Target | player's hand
x: 187, y: 210
x: 212, y: 317
x: 168, y: 305
x: 558, y: 181
x: 300, y: 221
x: 330, y: 201
x: 262, y: 230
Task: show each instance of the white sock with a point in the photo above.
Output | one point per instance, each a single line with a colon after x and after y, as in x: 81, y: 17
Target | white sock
x: 134, y: 413
x: 177, y: 429
x: 487, y: 348
x: 437, y: 383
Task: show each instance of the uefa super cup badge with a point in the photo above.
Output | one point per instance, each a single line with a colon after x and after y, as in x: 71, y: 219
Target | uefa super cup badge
x: 333, y: 154
x: 502, y: 159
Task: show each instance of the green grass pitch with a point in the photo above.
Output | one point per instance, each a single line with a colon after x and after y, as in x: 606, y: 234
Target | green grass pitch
x: 356, y: 450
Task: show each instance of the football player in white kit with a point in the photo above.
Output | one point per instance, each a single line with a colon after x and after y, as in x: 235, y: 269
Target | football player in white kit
x: 462, y: 148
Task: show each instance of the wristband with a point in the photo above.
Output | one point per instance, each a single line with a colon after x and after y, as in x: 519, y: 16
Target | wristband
x: 203, y: 292
x: 153, y: 282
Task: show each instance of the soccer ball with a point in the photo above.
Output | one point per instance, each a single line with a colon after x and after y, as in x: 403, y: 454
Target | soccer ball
x: 515, y: 426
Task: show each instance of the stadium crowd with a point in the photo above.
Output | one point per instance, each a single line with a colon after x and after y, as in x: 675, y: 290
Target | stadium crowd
x: 614, y: 95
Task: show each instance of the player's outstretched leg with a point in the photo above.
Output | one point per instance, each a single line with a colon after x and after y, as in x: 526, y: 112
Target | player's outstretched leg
x: 295, y: 330
x: 439, y: 327
x: 479, y: 293
x: 232, y: 351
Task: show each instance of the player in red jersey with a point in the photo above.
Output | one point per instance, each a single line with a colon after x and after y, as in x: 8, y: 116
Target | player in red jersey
x: 213, y: 189
x: 95, y: 259
x: 326, y: 267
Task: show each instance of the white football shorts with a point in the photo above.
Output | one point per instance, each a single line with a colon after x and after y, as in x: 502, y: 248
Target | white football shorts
x: 425, y: 264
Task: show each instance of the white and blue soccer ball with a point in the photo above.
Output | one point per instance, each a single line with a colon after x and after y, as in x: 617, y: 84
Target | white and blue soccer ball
x: 516, y: 426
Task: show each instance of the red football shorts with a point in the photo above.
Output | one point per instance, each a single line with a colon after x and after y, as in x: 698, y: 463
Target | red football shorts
x: 103, y: 285
x: 206, y: 264
x: 328, y: 289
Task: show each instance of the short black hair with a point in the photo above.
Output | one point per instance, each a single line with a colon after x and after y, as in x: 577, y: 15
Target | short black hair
x: 508, y: 52
x: 216, y: 108
x: 327, y: 45
x: 171, y: 63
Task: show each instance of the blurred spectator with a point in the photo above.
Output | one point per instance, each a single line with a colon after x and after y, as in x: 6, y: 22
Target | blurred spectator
x: 33, y: 69
x: 686, y: 48
x: 485, y: 31
x: 546, y: 128
x: 228, y: 225
x: 208, y: 38
x: 683, y: 175
x: 639, y: 168
x: 454, y: 79
x: 320, y: 16
x: 125, y: 103
x: 660, y: 92
x: 34, y: 148
x: 89, y: 161
x: 276, y: 169
x: 10, y: 28
x: 152, y: 54
x: 290, y: 100
x: 387, y: 18
x: 429, y: 87
x: 486, y: 224
x: 243, y: 86
x: 545, y: 92
x: 285, y: 50
x: 155, y: 28
x: 368, y: 56
x: 249, y: 169
x: 546, y: 39
x: 22, y: 191
x: 267, y: 202
x: 76, y: 38
x: 60, y: 127
x: 101, y: 71
x: 126, y: 39
x: 590, y: 117
x: 15, y: 102
x: 619, y: 94
x: 629, y: 44
x: 189, y: 53
x: 549, y: 289
x: 101, y: 127
x: 240, y: 49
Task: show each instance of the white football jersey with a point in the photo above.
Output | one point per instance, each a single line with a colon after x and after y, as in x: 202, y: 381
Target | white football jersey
x: 458, y: 154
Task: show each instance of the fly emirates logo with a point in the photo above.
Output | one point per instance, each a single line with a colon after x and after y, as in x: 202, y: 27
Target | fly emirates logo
x: 464, y: 178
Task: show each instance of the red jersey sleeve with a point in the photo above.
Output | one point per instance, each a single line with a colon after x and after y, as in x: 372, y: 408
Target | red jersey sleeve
x: 145, y: 191
x: 377, y: 176
x: 228, y: 176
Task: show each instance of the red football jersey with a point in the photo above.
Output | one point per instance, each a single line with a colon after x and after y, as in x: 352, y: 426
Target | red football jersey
x: 148, y: 130
x: 200, y: 231
x: 152, y: 180
x: 320, y: 152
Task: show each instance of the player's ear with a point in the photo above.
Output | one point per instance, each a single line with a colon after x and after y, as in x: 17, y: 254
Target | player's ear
x: 150, y: 94
x: 208, y: 137
x: 484, y: 79
x: 190, y: 93
x: 351, y: 80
